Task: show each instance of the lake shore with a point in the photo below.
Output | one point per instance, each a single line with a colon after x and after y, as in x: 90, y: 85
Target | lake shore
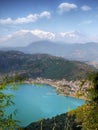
x: 64, y: 87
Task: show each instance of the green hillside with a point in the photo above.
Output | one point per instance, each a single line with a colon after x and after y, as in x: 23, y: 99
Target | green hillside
x: 60, y: 122
x: 42, y: 65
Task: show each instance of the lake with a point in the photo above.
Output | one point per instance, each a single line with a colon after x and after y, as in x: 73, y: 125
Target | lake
x: 35, y: 102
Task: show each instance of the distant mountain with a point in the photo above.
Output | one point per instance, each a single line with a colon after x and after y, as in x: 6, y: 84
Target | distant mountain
x: 83, y: 52
x: 80, y: 52
x: 42, y: 65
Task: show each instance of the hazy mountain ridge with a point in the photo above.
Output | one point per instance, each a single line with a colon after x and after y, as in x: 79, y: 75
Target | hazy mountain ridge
x: 81, y: 52
x: 84, y: 52
x: 42, y: 65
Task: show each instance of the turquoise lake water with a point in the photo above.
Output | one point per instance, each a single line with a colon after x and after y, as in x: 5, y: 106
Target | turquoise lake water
x: 35, y: 102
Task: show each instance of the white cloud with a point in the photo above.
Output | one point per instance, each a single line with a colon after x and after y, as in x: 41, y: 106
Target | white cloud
x: 39, y: 33
x: 74, y: 37
x: 66, y: 7
x: 70, y: 37
x: 45, y: 14
x: 5, y: 38
x: 25, y: 37
x: 86, y: 8
x: 43, y: 34
x: 27, y: 19
x: 72, y: 34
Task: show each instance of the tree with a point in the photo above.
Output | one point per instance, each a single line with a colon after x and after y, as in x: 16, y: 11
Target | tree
x: 87, y: 115
x: 6, y: 121
x: 93, y: 91
x: 90, y: 110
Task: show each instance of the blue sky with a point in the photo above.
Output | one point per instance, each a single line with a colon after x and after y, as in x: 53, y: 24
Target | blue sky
x: 69, y: 21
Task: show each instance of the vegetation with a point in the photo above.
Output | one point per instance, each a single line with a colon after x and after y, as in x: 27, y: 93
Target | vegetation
x: 46, y: 66
x: 60, y: 122
x: 42, y: 65
x: 6, y: 121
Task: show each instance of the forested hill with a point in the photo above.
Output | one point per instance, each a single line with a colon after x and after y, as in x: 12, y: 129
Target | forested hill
x: 42, y: 65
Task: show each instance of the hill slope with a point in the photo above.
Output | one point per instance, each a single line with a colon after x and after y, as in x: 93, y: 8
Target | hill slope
x: 81, y: 52
x: 60, y: 122
x: 42, y: 65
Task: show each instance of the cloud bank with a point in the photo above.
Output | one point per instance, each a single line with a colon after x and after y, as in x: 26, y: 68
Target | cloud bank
x: 25, y: 37
x: 28, y: 19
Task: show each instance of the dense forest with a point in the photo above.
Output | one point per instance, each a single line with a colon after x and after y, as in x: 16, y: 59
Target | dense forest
x: 42, y: 65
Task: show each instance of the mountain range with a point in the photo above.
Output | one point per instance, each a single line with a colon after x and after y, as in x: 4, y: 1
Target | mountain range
x: 81, y: 52
x: 42, y: 65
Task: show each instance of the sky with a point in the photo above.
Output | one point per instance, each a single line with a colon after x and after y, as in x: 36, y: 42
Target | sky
x: 66, y: 21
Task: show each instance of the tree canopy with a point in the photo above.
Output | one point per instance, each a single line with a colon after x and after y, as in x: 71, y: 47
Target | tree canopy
x: 6, y: 121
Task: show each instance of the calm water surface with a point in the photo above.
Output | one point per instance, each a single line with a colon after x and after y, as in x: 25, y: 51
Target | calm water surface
x: 35, y: 102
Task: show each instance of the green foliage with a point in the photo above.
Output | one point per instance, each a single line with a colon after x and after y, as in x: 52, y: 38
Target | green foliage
x: 42, y: 65
x: 93, y: 91
x: 6, y: 121
x: 87, y: 114
x: 60, y: 122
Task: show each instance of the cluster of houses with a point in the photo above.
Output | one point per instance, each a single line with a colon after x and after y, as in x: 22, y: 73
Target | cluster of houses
x: 69, y: 88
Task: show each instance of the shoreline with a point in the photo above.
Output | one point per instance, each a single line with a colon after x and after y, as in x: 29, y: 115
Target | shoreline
x: 63, y: 87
